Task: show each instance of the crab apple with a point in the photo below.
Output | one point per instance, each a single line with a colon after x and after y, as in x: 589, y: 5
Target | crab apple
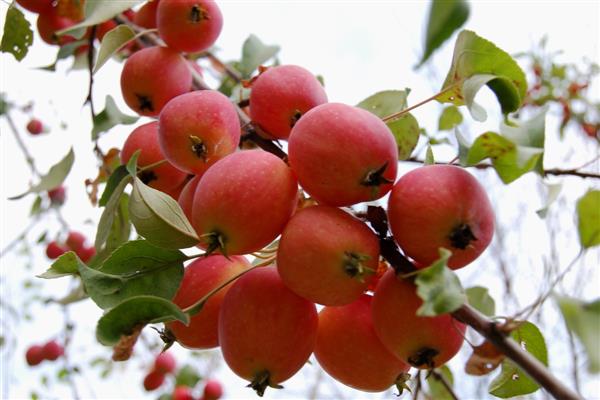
x: 349, y: 350
x: 36, y: 6
x: 153, y: 76
x: 153, y: 380
x: 440, y: 206
x: 86, y: 253
x: 75, y: 240
x: 49, y: 22
x: 176, y: 191
x: 163, y: 177
x: 34, y: 355
x: 146, y: 15
x: 165, y: 363
x: 197, y: 129
x: 189, y: 25
x: 54, y: 250
x: 182, y: 393
x: 52, y: 350
x: 281, y: 95
x: 243, y: 202
x: 423, y: 342
x: 35, y: 126
x: 266, y: 331
x: 327, y: 256
x: 57, y: 195
x: 363, y: 171
x: 200, y: 277
x: 186, y: 197
x: 213, y: 390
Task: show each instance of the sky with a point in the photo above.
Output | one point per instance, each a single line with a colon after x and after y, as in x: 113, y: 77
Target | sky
x: 359, y: 48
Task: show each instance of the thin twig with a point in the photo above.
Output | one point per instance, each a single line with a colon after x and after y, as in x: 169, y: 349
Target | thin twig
x: 419, y: 104
x: 15, y: 131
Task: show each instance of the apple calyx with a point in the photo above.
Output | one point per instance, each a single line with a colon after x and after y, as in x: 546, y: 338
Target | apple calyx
x: 147, y: 176
x: 401, y: 383
x: 198, y: 147
x: 354, y: 267
x: 423, y: 356
x: 375, y: 176
x: 261, y: 382
x: 461, y: 236
x: 216, y: 241
x: 145, y: 102
x: 295, y: 118
x: 198, y: 14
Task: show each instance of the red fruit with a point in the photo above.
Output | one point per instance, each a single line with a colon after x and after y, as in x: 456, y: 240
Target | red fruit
x: 35, y: 126
x: 153, y: 76
x: 281, y: 95
x: 49, y: 22
x: 34, y: 355
x: 200, y: 277
x: 153, y: 380
x: 57, y: 195
x: 105, y: 27
x: 189, y: 25
x: 186, y: 197
x: 182, y: 393
x: 590, y: 129
x: 440, y: 206
x: 54, y: 250
x: 243, y: 202
x: 176, y: 191
x: 86, y: 253
x: 266, y: 331
x: 195, y: 67
x: 36, y: 6
x: 423, y: 342
x: 145, y: 138
x: 146, y: 15
x: 130, y: 14
x: 349, y: 350
x: 213, y: 390
x: 327, y: 256
x: 366, y: 168
x: 52, y: 350
x: 197, y: 129
x: 165, y: 363
x: 75, y: 240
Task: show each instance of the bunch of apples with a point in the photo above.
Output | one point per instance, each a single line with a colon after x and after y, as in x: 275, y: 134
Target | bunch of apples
x: 76, y: 242
x: 367, y: 334
x: 50, y: 351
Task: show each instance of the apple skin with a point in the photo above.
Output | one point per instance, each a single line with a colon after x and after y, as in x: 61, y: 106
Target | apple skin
x: 189, y: 25
x: 213, y: 390
x: 49, y: 22
x: 165, y: 363
x: 36, y: 6
x: 34, y: 355
x: 334, y: 148
x: 52, y: 350
x: 200, y: 277
x: 153, y: 380
x: 146, y: 15
x: 186, y: 197
x: 422, y: 342
x: 313, y: 258
x: 266, y: 330
x: 440, y: 206
x: 164, y: 177
x: 153, y: 76
x: 244, y: 200
x: 282, y: 94
x: 35, y: 126
x: 207, y: 116
x: 349, y: 350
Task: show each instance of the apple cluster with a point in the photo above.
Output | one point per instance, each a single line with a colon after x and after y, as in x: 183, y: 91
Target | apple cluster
x: 367, y: 335
x: 75, y: 242
x: 50, y: 351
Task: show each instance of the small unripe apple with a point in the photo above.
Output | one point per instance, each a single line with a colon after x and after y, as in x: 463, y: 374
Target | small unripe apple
x: 35, y: 126
x: 182, y: 393
x: 165, y: 363
x: 153, y: 380
x: 54, y: 250
x: 34, y: 355
x: 52, y: 350
x: 75, y: 240
x: 213, y: 390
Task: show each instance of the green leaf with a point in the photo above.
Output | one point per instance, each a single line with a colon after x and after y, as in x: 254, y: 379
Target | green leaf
x: 120, y: 229
x: 112, y: 42
x: 429, y: 159
x: 96, y: 12
x: 439, y: 287
x: 17, y: 36
x: 254, y: 54
x: 480, y: 299
x: 583, y: 319
x: 449, y: 118
x: 65, y: 265
x: 463, y: 148
x: 588, y: 215
x: 64, y: 51
x: 159, y: 218
x: 445, y: 17
x: 54, y: 178
x: 512, y: 381
x: 385, y: 103
x: 36, y: 207
x: 109, y: 117
x: 136, y: 268
x: 553, y: 192
x: 406, y: 132
x: 437, y: 390
x: 528, y: 134
x: 113, y: 181
x: 133, y: 312
x: 108, y: 215
x: 477, y: 58
x: 187, y: 376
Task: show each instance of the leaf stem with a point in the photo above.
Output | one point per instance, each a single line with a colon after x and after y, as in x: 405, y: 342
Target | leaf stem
x: 427, y: 100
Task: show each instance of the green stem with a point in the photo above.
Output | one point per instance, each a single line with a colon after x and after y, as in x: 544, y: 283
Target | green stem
x: 407, y: 110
